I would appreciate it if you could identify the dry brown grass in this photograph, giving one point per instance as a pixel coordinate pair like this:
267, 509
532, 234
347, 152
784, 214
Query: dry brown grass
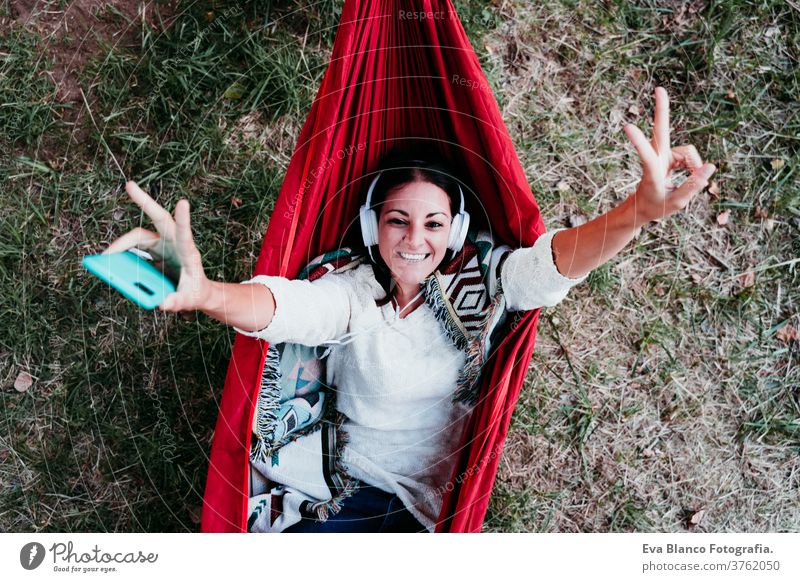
671, 354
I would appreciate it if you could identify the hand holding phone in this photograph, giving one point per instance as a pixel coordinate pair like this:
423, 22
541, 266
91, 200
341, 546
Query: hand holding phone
132, 275
173, 249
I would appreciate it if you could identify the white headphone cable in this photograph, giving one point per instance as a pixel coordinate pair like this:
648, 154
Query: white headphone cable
344, 339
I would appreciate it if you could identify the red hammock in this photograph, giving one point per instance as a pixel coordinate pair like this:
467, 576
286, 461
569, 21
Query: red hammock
392, 77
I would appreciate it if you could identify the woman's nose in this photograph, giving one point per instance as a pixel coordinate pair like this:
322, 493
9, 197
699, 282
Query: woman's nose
414, 235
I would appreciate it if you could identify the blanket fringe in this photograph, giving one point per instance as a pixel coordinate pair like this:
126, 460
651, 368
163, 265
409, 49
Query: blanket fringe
264, 445
435, 298
267, 405
469, 378
346, 485
468, 384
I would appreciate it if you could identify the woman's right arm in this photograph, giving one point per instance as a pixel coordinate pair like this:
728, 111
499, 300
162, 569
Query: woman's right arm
247, 307
272, 308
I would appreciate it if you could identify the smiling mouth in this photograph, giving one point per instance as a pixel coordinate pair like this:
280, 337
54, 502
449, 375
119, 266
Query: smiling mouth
413, 257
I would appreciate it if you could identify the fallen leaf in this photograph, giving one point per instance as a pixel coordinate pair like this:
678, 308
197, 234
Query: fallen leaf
723, 217
23, 382
680, 17
235, 91
788, 333
195, 514
746, 279
713, 189
696, 517
769, 224
634, 110
776, 164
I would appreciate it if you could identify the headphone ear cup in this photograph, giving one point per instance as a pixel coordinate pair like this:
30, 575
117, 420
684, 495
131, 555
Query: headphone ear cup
458, 231
369, 226
465, 230
455, 231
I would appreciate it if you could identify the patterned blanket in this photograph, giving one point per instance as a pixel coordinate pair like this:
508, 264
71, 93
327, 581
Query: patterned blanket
295, 469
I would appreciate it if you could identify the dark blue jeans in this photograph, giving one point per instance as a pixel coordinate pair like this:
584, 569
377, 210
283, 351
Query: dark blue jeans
368, 510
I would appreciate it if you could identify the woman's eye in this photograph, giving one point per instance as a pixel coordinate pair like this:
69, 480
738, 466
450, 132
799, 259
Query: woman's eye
404, 223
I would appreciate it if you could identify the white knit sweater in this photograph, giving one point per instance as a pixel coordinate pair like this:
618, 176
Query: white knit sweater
396, 379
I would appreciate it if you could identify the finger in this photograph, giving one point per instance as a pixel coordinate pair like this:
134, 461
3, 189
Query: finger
159, 215
173, 302
184, 241
643, 147
138, 237
176, 303
169, 303
692, 186
661, 122
686, 156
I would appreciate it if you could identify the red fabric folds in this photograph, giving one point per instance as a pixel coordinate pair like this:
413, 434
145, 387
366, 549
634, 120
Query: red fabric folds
394, 78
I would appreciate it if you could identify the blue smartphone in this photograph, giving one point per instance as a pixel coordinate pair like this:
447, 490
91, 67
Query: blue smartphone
133, 276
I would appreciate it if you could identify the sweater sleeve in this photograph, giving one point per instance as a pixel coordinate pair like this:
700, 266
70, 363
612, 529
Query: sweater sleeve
306, 312
530, 278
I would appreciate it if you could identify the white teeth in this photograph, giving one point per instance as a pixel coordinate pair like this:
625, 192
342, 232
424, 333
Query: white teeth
409, 257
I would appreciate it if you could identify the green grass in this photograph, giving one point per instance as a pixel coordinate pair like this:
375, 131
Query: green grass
658, 381
26, 96
98, 443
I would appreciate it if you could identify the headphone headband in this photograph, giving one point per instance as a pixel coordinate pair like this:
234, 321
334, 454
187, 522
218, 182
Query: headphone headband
378, 175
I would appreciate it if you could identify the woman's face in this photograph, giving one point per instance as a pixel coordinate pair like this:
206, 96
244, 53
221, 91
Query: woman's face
413, 229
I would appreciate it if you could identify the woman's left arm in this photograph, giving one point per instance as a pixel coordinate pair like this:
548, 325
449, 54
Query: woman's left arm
580, 249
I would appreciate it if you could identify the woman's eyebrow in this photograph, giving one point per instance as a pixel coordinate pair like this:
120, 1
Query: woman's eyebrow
404, 213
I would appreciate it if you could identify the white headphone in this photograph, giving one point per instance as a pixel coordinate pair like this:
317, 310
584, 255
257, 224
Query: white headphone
369, 221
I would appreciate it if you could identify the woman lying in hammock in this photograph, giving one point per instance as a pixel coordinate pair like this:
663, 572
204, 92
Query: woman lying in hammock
396, 373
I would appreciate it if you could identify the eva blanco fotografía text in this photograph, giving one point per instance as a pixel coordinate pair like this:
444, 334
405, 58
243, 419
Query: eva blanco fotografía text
705, 549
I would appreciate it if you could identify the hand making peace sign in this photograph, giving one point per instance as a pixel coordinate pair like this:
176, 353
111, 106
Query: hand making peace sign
656, 197
173, 246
